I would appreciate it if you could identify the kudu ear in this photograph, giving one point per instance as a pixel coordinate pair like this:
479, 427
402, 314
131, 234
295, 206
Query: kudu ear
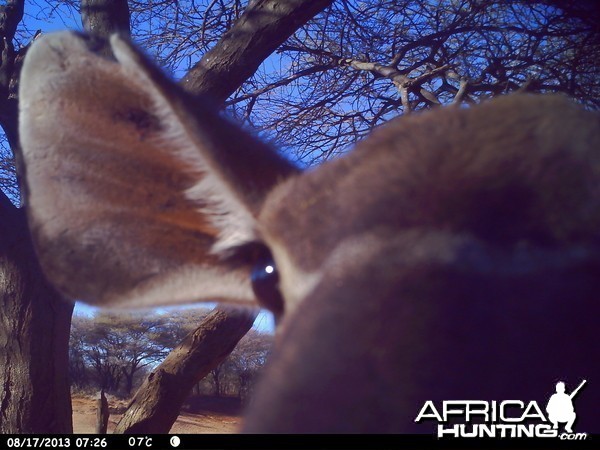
127, 194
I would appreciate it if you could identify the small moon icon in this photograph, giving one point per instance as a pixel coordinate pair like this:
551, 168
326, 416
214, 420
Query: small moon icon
175, 441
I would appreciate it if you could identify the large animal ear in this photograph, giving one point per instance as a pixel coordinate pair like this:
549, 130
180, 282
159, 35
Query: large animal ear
134, 191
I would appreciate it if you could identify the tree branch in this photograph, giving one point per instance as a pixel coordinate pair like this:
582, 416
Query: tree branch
10, 16
263, 27
282, 82
157, 403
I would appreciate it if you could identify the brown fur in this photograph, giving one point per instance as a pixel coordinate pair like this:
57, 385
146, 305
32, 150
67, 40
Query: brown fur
454, 254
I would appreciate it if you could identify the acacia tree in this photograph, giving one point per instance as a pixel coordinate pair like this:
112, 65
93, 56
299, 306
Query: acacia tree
238, 372
117, 347
247, 360
362, 63
372, 61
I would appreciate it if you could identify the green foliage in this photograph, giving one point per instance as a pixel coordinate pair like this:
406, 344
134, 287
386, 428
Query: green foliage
115, 351
108, 350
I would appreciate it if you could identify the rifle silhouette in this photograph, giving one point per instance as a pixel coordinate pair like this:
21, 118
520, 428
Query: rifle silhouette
574, 393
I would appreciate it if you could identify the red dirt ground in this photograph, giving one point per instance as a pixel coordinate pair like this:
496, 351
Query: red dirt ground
207, 417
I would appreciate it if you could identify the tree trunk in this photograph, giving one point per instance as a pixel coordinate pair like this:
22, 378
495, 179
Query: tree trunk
156, 404
104, 17
216, 373
102, 413
34, 337
128, 384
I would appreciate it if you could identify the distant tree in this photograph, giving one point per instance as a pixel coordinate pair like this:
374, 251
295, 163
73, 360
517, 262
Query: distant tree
247, 360
157, 402
108, 350
111, 351
118, 346
216, 374
79, 370
236, 375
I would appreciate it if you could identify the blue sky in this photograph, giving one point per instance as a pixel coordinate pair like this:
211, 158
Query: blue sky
263, 323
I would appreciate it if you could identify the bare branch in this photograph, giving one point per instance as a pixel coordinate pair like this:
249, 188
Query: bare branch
262, 28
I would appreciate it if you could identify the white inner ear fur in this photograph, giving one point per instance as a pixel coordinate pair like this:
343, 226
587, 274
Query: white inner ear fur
181, 287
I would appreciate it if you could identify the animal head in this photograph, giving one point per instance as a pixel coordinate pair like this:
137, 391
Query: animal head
451, 254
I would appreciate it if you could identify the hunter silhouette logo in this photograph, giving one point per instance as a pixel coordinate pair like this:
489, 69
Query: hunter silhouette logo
505, 419
560, 407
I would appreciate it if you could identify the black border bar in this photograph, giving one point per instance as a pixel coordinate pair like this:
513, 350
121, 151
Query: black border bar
280, 442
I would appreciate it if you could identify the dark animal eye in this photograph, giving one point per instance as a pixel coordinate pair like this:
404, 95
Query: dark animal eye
265, 283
